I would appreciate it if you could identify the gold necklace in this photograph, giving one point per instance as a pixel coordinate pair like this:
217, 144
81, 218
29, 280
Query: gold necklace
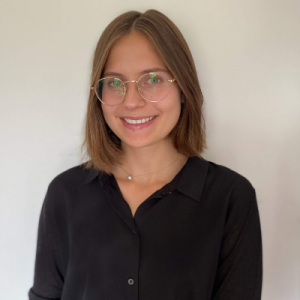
130, 177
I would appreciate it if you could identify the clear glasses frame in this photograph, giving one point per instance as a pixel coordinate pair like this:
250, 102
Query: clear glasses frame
139, 90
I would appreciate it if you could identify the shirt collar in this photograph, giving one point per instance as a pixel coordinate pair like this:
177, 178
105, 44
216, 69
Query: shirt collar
91, 175
192, 180
190, 183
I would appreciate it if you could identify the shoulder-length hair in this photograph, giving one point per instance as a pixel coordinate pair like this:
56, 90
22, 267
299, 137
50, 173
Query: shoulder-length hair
101, 144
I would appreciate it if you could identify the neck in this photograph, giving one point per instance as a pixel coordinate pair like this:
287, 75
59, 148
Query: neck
163, 160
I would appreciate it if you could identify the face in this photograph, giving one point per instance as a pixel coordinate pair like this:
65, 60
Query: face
129, 58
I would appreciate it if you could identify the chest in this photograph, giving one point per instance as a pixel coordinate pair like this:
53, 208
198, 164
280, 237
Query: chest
134, 195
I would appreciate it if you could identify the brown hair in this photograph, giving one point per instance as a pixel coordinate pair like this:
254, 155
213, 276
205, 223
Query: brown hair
188, 135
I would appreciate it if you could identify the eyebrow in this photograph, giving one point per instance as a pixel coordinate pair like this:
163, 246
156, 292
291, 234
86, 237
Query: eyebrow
142, 72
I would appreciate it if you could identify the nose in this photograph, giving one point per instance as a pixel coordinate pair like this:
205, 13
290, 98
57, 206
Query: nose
132, 97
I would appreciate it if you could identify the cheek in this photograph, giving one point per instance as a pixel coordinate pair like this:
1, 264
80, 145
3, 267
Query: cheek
107, 112
108, 116
172, 106
176, 108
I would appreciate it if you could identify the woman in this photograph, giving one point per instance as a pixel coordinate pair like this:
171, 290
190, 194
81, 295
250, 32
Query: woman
146, 217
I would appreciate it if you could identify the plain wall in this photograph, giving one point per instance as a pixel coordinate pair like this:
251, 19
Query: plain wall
247, 58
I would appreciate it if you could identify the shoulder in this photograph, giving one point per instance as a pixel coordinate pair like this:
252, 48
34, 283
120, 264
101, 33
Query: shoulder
235, 190
227, 178
231, 187
70, 178
68, 184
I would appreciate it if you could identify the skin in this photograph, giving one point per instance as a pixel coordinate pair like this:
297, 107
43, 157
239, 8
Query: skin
147, 150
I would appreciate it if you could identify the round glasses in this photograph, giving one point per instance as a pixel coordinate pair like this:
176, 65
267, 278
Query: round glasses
152, 87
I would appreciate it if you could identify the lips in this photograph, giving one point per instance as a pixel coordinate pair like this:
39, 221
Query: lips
135, 127
137, 118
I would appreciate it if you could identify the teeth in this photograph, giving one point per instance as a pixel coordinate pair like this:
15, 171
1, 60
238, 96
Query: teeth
138, 121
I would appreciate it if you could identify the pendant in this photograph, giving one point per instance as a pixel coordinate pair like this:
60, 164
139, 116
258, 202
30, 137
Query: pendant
130, 177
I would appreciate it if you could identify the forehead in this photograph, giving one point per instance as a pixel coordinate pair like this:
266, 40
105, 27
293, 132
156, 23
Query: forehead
131, 54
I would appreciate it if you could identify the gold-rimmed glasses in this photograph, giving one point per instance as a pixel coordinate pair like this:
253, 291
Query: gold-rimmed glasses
153, 87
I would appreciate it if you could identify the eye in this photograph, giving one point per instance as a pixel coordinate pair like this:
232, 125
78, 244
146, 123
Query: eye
153, 78
114, 82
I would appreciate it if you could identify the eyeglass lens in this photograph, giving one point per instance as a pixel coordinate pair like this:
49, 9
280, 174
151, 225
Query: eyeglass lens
152, 87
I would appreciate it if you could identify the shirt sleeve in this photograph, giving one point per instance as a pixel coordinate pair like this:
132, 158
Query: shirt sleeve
239, 273
48, 278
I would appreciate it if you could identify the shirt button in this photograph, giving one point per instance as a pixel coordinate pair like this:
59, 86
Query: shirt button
130, 281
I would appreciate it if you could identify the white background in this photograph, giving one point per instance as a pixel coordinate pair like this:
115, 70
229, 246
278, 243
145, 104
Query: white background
247, 58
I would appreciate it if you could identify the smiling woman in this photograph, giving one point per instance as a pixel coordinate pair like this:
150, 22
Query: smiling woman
147, 217
132, 46
154, 94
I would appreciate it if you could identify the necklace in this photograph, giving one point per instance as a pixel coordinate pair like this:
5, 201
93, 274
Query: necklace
130, 176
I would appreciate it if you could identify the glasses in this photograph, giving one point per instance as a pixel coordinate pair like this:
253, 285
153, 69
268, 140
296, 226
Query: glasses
152, 87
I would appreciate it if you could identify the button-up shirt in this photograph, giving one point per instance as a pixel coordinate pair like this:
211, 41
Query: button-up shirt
196, 238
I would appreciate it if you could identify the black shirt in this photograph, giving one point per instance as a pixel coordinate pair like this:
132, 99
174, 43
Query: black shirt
196, 238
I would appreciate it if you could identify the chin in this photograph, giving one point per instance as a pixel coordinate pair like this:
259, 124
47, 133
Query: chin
139, 143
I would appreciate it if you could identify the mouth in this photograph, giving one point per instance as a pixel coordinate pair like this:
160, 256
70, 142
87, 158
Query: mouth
138, 124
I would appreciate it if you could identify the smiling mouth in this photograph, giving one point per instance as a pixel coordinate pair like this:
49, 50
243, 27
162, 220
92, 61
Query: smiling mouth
139, 121
138, 124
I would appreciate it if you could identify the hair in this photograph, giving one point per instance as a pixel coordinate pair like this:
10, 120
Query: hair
100, 143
